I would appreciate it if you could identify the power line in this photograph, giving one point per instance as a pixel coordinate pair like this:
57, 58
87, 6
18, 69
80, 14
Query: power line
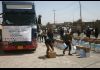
66, 7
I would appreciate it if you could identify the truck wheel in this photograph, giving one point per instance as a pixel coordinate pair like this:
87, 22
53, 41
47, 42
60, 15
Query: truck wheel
34, 49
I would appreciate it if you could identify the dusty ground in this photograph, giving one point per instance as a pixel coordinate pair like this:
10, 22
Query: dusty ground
38, 60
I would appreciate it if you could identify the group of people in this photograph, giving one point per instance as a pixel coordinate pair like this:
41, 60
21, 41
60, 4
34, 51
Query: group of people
42, 35
90, 31
65, 38
94, 32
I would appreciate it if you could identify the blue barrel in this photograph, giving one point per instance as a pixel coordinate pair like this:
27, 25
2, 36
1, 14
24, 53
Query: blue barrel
82, 43
92, 46
97, 48
82, 53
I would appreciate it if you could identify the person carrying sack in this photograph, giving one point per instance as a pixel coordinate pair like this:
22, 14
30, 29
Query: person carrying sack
67, 40
49, 41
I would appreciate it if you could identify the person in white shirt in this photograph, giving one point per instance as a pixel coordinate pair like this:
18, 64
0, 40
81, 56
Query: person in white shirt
70, 30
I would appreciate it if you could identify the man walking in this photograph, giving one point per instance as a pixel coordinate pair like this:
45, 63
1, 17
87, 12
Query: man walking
67, 40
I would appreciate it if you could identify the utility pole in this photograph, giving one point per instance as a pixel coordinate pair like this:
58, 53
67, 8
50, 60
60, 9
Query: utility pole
54, 16
80, 11
81, 16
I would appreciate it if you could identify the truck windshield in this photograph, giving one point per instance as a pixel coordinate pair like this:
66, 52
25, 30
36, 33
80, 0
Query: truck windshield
20, 18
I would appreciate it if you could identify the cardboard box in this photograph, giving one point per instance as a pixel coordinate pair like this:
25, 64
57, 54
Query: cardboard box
86, 39
97, 41
91, 40
87, 49
80, 47
51, 54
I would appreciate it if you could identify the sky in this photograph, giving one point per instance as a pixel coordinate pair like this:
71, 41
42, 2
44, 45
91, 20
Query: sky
66, 11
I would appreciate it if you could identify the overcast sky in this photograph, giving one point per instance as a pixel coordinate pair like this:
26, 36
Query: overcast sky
66, 10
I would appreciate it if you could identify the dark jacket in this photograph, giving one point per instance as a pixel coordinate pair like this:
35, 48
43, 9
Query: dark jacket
67, 37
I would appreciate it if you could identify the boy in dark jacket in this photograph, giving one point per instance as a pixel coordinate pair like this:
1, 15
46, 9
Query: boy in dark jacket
49, 41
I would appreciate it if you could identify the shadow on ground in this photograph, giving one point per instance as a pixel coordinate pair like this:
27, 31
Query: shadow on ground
59, 55
45, 57
42, 57
8, 53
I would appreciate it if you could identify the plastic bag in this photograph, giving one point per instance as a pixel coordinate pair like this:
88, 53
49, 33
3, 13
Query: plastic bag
61, 46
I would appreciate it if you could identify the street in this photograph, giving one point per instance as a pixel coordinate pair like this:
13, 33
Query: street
24, 24
37, 59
